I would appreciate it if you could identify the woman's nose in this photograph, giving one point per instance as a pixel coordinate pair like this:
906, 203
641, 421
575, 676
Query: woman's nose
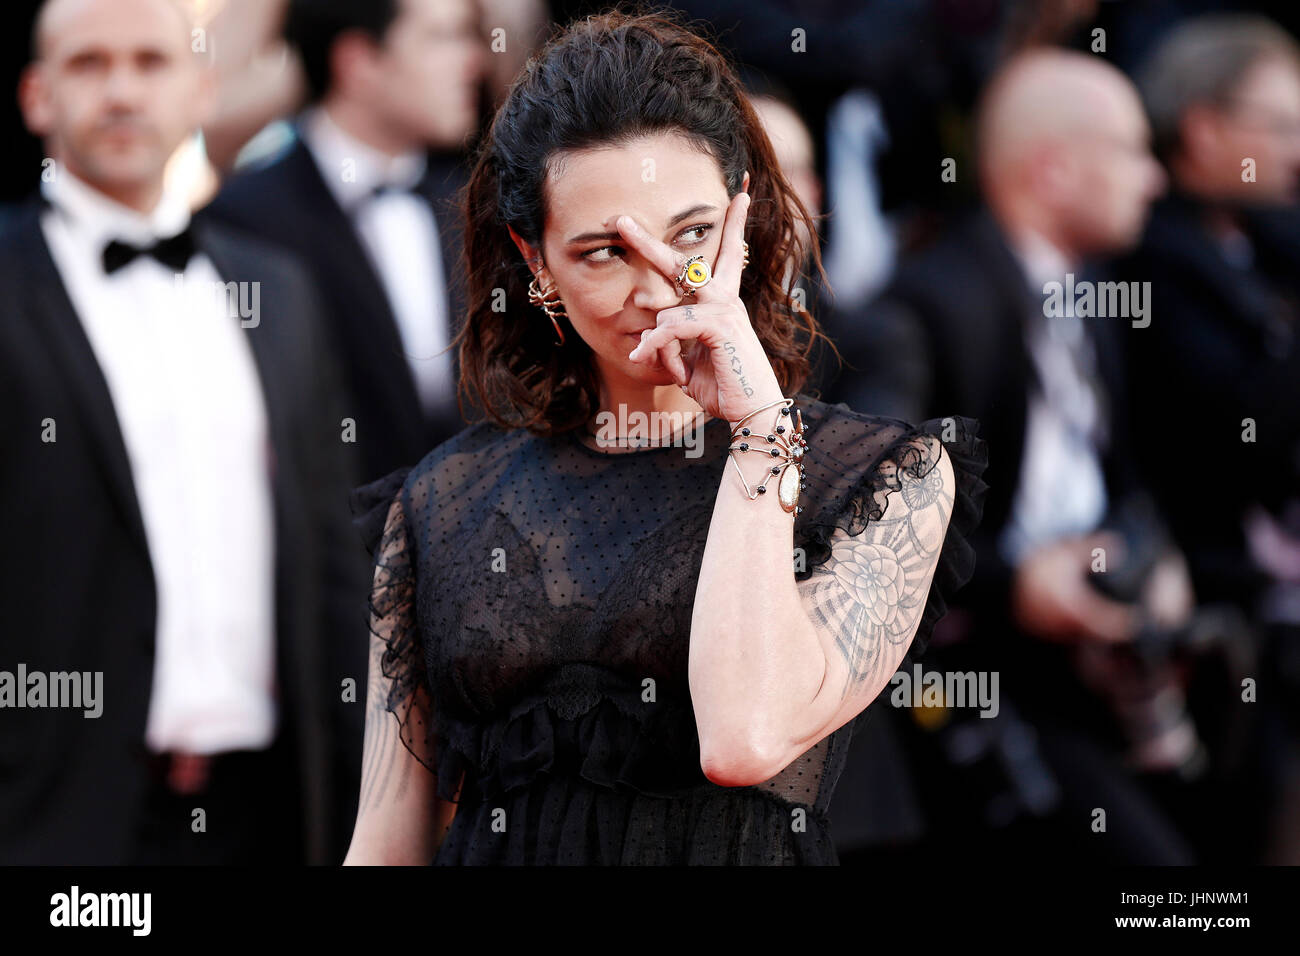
654, 291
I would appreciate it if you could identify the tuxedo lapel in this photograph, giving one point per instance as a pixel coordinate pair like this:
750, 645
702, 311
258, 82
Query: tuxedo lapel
1014, 373
442, 189
1018, 299
369, 328
56, 320
264, 340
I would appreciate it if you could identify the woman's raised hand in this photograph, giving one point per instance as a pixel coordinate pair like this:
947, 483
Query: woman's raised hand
708, 343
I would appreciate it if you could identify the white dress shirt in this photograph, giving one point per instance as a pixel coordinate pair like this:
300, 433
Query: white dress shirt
190, 407
861, 252
400, 233
1062, 488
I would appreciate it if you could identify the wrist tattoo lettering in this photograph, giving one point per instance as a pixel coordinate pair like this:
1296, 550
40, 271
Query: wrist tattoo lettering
730, 349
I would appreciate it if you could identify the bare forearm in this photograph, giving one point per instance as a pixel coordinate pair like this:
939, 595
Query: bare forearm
398, 835
775, 665
755, 660
397, 810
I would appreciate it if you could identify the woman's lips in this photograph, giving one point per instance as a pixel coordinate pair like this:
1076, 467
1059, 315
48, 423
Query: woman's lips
634, 338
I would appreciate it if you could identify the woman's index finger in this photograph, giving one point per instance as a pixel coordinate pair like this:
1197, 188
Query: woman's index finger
656, 252
731, 252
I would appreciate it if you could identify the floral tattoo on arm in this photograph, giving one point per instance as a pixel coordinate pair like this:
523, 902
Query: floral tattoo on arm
869, 597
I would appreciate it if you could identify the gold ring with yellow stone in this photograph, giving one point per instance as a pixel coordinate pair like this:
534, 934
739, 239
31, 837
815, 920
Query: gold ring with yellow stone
695, 274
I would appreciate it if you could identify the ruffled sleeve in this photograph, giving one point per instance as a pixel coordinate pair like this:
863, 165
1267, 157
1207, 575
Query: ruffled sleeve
381, 515
853, 463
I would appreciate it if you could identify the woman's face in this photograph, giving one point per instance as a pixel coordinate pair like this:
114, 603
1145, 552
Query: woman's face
674, 191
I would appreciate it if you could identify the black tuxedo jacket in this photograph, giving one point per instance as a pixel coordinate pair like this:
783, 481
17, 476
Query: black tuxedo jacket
77, 585
1223, 346
287, 202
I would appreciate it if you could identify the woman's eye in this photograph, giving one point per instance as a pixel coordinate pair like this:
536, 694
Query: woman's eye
703, 228
607, 253
592, 254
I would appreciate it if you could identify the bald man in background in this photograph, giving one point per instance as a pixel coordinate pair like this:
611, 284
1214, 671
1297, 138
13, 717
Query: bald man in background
1067, 176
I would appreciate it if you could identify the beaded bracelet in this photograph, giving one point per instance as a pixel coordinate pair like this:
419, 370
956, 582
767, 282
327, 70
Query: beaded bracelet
785, 443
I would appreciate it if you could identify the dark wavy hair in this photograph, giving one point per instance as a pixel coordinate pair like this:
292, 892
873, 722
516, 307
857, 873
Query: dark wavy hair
603, 80
312, 27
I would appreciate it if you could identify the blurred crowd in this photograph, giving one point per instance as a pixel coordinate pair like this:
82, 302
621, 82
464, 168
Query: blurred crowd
1077, 222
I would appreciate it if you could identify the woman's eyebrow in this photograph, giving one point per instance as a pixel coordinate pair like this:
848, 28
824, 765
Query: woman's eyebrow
684, 214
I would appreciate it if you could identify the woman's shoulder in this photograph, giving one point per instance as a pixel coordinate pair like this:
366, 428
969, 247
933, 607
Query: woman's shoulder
475, 451
840, 428
851, 451
855, 460
816, 411
475, 448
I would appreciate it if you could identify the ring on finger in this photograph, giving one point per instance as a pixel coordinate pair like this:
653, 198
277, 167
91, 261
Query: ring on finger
695, 275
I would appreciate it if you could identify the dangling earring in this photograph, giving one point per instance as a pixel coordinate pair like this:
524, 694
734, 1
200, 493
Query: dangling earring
549, 301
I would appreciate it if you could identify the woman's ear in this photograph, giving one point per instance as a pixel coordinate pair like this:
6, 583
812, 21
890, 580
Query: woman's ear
744, 186
531, 255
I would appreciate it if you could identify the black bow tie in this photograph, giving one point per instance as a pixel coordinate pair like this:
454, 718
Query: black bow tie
397, 189
416, 189
174, 252
434, 172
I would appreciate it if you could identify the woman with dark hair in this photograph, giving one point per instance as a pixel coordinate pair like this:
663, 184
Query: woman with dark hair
632, 616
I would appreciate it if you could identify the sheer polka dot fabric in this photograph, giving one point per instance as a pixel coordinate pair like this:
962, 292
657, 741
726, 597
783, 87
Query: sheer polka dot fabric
534, 596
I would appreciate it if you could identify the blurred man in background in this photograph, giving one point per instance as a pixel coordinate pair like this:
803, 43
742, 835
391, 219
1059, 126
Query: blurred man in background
793, 145
258, 80
1223, 255
1067, 174
366, 196
1216, 377
173, 487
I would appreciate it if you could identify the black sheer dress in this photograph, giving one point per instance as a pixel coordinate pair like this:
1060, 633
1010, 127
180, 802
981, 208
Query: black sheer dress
535, 597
